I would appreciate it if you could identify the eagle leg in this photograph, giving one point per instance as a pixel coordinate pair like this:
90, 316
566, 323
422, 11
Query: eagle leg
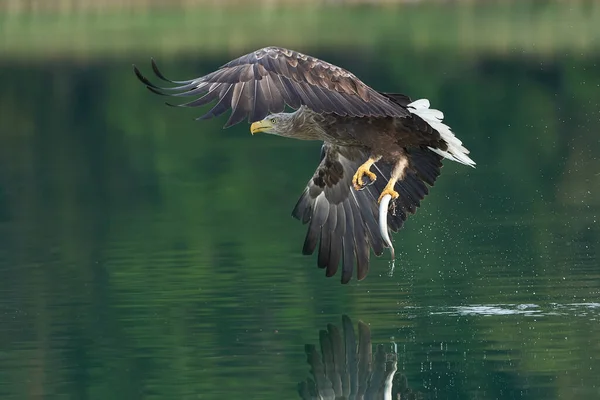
397, 174
365, 169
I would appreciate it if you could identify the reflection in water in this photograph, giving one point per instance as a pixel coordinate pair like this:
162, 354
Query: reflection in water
346, 369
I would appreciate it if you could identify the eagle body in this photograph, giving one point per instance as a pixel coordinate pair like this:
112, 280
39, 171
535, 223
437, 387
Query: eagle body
374, 144
386, 136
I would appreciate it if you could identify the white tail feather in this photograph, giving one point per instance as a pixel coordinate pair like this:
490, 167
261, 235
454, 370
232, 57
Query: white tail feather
456, 151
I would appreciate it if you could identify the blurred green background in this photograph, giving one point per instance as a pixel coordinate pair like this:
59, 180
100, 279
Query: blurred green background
145, 255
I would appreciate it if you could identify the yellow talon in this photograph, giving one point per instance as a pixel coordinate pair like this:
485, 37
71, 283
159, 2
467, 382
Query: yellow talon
388, 190
364, 169
357, 180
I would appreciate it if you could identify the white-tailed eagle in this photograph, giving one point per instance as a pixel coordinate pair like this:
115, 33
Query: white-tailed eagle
374, 144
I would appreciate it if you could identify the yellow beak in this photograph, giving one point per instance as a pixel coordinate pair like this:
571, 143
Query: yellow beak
260, 126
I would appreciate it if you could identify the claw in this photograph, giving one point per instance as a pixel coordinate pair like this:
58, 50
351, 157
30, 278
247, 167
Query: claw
357, 179
364, 169
388, 190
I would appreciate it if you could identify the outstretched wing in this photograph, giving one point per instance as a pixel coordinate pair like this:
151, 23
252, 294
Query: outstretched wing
343, 222
265, 80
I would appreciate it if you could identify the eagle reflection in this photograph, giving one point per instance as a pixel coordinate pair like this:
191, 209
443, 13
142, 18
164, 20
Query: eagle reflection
345, 368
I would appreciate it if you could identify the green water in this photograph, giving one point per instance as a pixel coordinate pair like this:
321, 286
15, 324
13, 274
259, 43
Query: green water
144, 255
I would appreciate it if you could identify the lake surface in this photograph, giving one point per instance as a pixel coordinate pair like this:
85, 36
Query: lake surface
145, 255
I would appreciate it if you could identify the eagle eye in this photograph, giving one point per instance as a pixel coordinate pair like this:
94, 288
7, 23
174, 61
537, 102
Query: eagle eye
273, 120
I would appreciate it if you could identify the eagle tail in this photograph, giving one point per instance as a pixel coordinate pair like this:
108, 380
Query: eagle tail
456, 151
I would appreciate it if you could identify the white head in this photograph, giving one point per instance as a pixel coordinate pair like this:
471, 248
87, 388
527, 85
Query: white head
275, 124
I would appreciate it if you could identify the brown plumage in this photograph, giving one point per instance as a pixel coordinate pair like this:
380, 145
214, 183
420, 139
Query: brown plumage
403, 141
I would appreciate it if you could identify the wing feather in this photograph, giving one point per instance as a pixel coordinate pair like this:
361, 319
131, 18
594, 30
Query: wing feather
325, 243
261, 93
210, 96
222, 105
335, 252
348, 252
361, 241
290, 95
319, 217
162, 77
326, 101
238, 104
253, 99
273, 92
369, 202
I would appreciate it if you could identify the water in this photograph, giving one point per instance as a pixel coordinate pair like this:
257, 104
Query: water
146, 255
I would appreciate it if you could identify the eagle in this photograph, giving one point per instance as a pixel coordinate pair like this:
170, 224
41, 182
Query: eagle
377, 146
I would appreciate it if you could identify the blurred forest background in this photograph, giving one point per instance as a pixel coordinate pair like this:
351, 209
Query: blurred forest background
147, 255
99, 28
